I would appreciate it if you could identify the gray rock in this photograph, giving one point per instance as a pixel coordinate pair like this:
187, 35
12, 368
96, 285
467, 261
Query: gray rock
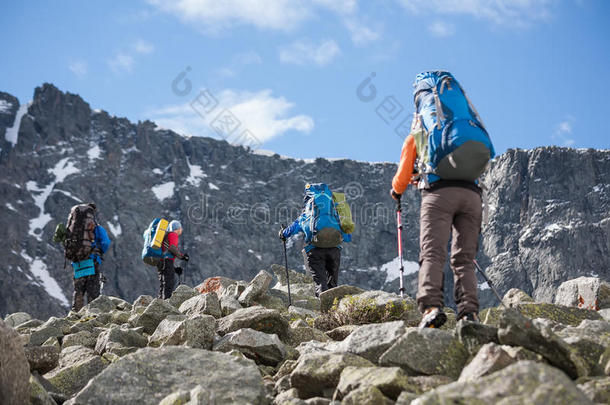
589, 340
282, 384
525, 382
16, 319
42, 333
52, 341
491, 358
141, 303
302, 313
318, 401
101, 304
517, 330
119, 341
257, 287
227, 378
423, 383
121, 304
596, 389
119, 317
427, 351
27, 325
181, 294
328, 297
515, 297
154, 313
318, 374
473, 335
368, 395
77, 365
272, 301
14, 368
290, 396
584, 292
202, 304
197, 331
405, 398
391, 381
82, 338
300, 334
371, 341
605, 314
38, 394
42, 358
261, 347
341, 332
257, 318
285, 369
295, 276
229, 304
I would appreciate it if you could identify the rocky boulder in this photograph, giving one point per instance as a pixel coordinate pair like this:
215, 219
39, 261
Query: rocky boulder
372, 340
77, 365
584, 292
258, 318
328, 297
202, 304
14, 368
491, 358
17, 318
181, 294
150, 375
391, 381
197, 331
525, 382
42, 358
261, 347
119, 341
154, 313
257, 287
428, 352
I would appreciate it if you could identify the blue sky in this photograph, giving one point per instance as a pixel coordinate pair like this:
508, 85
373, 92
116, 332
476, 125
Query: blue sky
287, 71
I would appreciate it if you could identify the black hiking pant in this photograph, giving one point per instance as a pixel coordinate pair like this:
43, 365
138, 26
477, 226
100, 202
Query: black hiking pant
165, 270
89, 285
323, 265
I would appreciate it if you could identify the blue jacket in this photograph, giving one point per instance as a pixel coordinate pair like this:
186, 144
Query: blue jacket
295, 228
101, 242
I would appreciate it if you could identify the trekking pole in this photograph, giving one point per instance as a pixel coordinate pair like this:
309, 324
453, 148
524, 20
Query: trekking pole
287, 275
488, 281
399, 228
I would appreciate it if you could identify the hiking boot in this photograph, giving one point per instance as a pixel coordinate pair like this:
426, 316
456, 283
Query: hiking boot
470, 317
433, 318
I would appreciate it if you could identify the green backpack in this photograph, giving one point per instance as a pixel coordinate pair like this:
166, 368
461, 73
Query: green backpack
345, 213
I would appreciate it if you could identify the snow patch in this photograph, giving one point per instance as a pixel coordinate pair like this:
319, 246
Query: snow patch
392, 269
10, 207
195, 174
12, 133
68, 194
213, 186
5, 107
94, 152
484, 286
259, 257
43, 278
157, 171
264, 152
163, 191
115, 229
62, 169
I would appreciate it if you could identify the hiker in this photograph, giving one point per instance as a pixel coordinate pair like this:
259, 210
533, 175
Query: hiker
165, 266
323, 234
85, 242
446, 172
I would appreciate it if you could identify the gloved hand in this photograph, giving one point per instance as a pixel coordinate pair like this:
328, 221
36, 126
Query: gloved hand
281, 234
178, 270
185, 257
395, 195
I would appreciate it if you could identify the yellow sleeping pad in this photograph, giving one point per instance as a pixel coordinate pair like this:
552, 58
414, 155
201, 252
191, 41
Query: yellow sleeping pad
160, 233
345, 213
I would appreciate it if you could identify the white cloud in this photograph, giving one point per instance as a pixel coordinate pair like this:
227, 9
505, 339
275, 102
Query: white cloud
121, 62
262, 114
513, 12
441, 29
143, 47
79, 68
216, 15
305, 52
360, 32
563, 132
239, 62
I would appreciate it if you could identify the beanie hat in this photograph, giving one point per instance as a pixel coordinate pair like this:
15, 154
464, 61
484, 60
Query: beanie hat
174, 225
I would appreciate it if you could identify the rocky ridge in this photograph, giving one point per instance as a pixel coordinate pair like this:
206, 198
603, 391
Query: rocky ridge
549, 207
200, 347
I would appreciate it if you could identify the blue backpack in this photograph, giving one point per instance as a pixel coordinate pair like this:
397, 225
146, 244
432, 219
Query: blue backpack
451, 141
320, 220
151, 255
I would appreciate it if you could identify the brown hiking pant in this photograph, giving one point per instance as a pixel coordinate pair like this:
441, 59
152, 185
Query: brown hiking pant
449, 212
89, 285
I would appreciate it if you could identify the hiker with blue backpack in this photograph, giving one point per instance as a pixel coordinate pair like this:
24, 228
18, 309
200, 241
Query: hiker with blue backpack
446, 152
324, 230
85, 242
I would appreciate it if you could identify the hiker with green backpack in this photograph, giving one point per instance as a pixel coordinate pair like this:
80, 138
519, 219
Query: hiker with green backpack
85, 242
326, 222
161, 249
449, 149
